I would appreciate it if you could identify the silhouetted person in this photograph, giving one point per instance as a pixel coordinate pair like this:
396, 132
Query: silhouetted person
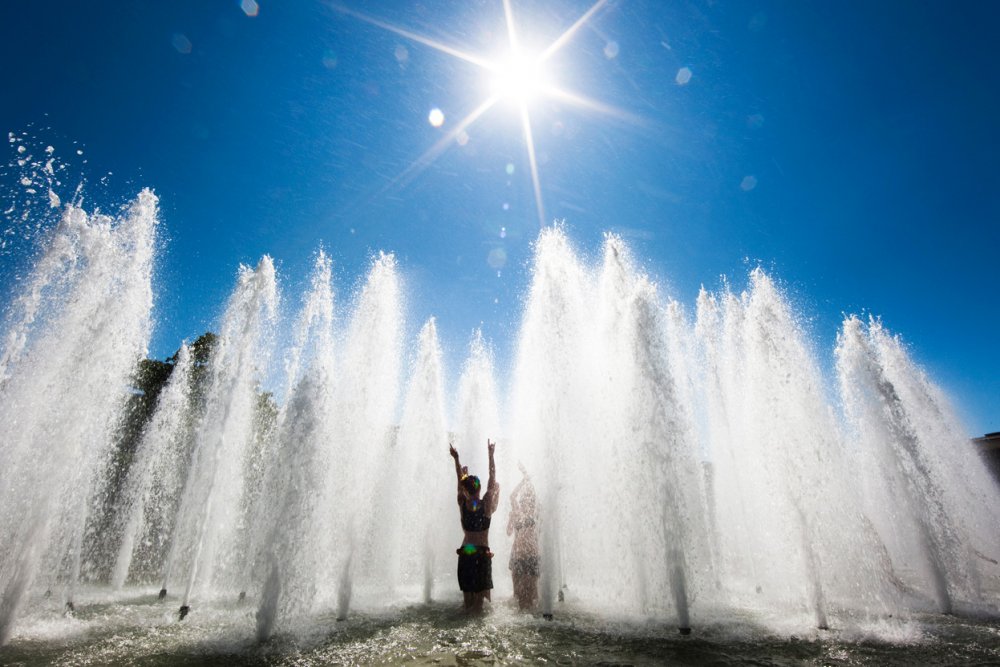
523, 523
475, 565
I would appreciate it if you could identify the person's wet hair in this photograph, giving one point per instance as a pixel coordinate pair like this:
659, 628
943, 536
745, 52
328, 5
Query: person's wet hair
471, 484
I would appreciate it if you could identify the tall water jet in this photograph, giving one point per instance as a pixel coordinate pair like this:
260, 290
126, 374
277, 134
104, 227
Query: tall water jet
672, 475
680, 343
420, 526
477, 411
929, 476
366, 397
152, 487
548, 389
653, 508
713, 423
780, 381
288, 546
73, 340
212, 514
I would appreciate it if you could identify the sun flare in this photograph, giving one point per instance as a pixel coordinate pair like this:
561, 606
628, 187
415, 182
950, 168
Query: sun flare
519, 78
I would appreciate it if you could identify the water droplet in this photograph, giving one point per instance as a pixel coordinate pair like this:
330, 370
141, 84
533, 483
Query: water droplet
181, 43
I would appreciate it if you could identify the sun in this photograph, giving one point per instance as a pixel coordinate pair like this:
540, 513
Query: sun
518, 79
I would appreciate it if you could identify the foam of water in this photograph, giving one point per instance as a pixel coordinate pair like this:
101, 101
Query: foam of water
690, 467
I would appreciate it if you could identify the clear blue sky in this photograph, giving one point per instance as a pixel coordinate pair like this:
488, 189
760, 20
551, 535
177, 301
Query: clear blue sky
851, 148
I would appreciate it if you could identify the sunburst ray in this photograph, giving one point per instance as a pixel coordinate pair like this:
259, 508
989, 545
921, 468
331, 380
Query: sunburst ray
521, 88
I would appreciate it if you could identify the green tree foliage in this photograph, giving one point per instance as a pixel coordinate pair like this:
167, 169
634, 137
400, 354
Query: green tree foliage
148, 380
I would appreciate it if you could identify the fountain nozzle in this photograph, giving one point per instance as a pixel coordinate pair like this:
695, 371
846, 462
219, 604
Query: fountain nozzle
184, 611
163, 593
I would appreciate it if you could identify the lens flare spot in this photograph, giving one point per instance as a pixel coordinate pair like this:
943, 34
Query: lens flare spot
611, 50
181, 43
436, 117
748, 183
250, 7
497, 258
510, 169
683, 76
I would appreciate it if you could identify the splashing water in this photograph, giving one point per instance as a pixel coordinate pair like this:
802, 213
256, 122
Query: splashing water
73, 337
690, 467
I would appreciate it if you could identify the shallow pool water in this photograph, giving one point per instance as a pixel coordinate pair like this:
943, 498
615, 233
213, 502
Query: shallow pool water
143, 630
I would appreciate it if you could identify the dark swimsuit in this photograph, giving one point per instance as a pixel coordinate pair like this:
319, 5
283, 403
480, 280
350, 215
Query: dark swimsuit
475, 565
475, 521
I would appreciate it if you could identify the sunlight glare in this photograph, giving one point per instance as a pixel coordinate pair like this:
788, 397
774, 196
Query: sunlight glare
519, 78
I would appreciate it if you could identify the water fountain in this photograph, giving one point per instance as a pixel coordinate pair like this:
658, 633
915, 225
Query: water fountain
74, 335
694, 469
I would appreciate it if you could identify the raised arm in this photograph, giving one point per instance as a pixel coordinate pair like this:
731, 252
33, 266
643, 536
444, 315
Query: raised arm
458, 466
492, 488
458, 473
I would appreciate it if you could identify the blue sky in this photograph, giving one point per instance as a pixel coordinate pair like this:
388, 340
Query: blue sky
851, 148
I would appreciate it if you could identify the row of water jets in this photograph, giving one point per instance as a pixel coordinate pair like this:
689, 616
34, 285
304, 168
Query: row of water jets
690, 466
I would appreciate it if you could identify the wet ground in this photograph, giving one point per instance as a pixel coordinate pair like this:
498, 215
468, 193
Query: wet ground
144, 631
